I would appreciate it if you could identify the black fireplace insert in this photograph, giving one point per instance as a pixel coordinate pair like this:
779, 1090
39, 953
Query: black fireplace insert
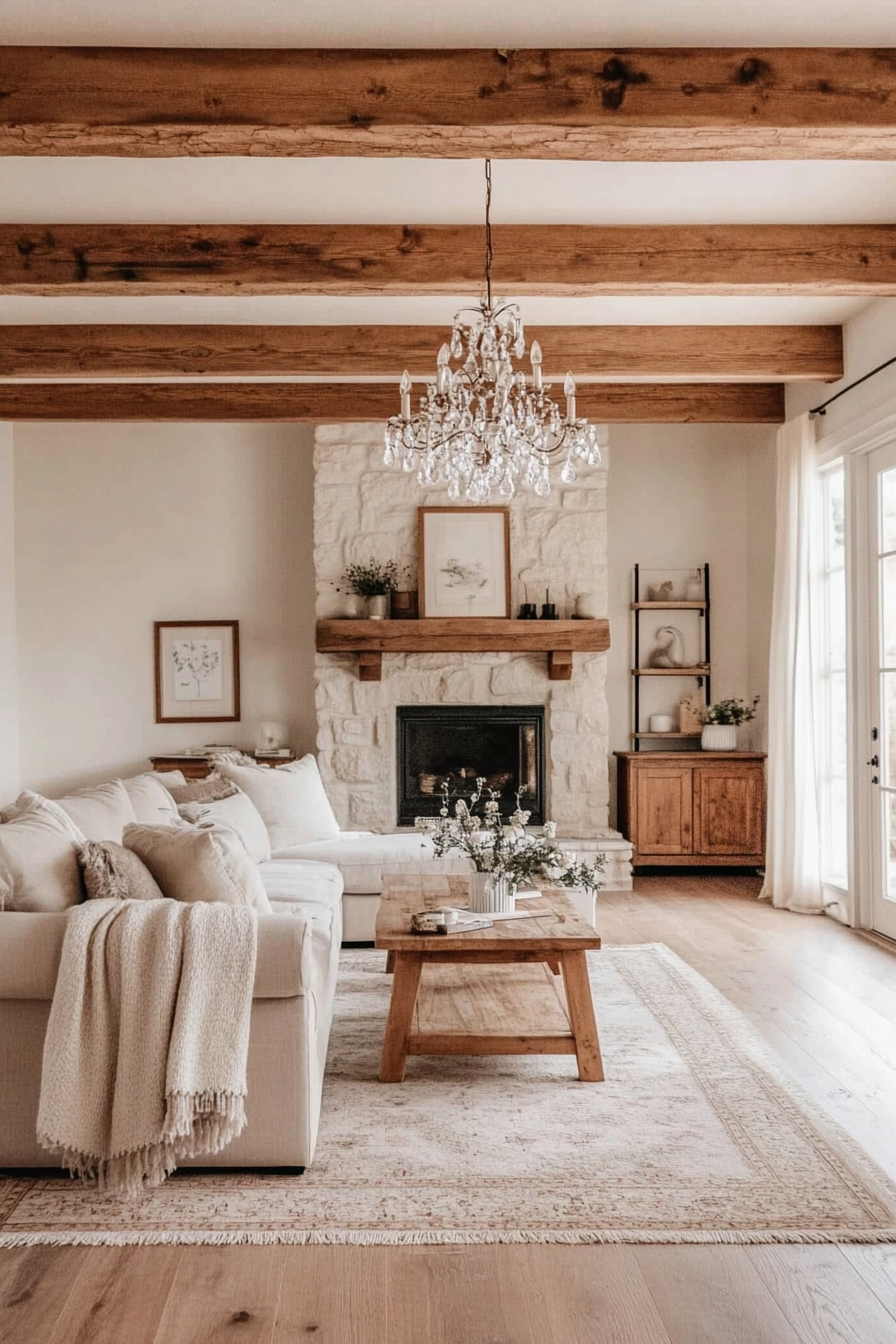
458, 743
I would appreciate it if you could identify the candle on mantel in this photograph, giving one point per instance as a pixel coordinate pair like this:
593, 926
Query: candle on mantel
405, 395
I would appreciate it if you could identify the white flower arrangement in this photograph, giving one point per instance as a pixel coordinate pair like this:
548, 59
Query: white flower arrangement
506, 850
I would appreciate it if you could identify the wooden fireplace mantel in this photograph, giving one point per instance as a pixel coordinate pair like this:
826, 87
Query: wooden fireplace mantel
462, 634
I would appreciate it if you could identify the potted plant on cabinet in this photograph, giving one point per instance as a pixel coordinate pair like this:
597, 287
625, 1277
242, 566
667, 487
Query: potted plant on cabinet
722, 720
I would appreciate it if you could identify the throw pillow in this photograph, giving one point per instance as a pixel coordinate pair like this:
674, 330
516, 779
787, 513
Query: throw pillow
111, 871
39, 846
239, 813
151, 801
206, 790
190, 864
291, 799
102, 812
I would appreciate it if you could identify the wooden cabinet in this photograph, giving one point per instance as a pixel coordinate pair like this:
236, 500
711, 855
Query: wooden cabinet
692, 807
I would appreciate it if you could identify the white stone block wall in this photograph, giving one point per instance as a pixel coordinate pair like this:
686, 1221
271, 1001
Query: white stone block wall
363, 509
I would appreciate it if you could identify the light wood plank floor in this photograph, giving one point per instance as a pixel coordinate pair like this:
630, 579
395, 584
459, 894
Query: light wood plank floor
824, 997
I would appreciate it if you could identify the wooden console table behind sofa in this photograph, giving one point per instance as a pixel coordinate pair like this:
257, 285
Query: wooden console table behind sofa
197, 767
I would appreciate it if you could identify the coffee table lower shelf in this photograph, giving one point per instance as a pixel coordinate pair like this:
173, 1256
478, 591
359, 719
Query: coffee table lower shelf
455, 1004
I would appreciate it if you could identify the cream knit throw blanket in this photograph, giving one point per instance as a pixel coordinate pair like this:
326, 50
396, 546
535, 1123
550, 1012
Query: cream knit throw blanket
145, 1053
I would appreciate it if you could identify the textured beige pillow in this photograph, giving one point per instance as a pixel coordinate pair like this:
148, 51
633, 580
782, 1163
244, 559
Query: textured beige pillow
39, 846
239, 813
193, 864
206, 790
150, 799
291, 799
101, 812
112, 872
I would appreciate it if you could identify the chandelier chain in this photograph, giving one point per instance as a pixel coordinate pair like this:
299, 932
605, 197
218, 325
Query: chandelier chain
488, 232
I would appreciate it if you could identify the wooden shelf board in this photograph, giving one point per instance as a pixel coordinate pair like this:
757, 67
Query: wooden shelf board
478, 634
666, 735
671, 671
668, 606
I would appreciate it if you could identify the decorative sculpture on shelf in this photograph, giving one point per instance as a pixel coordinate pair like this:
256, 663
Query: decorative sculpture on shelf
661, 592
669, 648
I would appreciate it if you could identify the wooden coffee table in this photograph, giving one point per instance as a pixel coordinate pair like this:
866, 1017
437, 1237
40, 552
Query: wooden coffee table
489, 992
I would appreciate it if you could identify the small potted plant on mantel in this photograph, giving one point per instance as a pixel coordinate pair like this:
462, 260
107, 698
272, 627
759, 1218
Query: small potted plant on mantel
722, 720
374, 580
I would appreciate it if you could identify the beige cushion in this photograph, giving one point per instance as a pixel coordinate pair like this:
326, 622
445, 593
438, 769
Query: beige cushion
291, 799
193, 864
151, 801
364, 859
112, 872
206, 790
239, 813
39, 846
101, 812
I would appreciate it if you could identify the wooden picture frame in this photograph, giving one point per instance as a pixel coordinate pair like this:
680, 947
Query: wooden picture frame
464, 561
201, 657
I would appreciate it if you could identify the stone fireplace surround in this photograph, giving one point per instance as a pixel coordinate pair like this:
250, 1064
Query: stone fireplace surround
362, 509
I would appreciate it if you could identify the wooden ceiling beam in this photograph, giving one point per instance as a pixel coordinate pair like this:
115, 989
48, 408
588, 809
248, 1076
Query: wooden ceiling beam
353, 259
750, 354
579, 103
633, 403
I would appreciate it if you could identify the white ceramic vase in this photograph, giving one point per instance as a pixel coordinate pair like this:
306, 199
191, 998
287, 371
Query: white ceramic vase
491, 893
354, 607
719, 737
378, 607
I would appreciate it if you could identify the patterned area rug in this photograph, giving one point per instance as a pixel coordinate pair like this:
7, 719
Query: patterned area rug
696, 1136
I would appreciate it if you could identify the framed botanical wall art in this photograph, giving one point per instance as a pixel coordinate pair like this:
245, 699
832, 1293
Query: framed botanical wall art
197, 671
464, 561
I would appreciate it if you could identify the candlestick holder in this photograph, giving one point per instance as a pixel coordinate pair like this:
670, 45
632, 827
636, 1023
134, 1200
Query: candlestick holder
548, 611
528, 611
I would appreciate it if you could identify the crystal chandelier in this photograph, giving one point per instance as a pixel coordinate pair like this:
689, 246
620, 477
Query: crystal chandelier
484, 428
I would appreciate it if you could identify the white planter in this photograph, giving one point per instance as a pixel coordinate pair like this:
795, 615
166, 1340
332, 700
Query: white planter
378, 607
719, 737
491, 894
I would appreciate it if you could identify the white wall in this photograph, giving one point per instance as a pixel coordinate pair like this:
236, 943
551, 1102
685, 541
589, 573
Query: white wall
680, 495
9, 725
121, 525
868, 340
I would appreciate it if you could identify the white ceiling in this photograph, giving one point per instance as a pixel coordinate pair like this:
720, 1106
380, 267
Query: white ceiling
504, 23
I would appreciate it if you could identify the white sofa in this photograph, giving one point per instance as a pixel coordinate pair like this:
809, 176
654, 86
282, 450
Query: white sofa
311, 887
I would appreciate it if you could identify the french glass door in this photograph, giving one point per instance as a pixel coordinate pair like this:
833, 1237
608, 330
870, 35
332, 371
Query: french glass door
880, 756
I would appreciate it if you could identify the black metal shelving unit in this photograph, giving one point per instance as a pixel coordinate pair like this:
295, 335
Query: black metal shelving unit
701, 672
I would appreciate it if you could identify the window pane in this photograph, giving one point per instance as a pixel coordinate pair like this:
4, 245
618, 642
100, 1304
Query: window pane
888, 510
888, 611
889, 801
836, 622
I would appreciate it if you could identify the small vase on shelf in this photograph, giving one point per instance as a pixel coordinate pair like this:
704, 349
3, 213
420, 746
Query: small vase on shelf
378, 607
719, 737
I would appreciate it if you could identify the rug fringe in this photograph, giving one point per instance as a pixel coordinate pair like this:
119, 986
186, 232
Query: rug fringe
289, 1237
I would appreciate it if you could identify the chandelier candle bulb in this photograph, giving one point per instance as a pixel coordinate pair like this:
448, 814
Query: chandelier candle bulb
406, 395
569, 387
536, 358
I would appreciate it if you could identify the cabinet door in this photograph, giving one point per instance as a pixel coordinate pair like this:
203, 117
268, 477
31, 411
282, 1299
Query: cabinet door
662, 810
729, 807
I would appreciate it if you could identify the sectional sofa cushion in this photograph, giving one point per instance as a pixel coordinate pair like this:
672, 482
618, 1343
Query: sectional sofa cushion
291, 799
39, 846
198, 864
151, 801
101, 812
364, 858
112, 872
238, 812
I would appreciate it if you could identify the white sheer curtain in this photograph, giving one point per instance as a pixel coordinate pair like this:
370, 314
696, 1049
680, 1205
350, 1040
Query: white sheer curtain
793, 854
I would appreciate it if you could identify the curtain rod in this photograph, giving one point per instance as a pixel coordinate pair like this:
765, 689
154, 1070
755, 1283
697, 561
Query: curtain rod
820, 410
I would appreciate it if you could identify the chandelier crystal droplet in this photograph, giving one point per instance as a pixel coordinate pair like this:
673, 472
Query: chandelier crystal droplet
484, 428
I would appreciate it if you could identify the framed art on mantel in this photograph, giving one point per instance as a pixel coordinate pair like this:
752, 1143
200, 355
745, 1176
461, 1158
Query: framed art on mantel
464, 561
197, 671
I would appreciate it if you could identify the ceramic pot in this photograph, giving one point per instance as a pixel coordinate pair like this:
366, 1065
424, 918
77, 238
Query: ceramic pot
404, 605
378, 607
660, 723
719, 737
491, 893
354, 607
586, 607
